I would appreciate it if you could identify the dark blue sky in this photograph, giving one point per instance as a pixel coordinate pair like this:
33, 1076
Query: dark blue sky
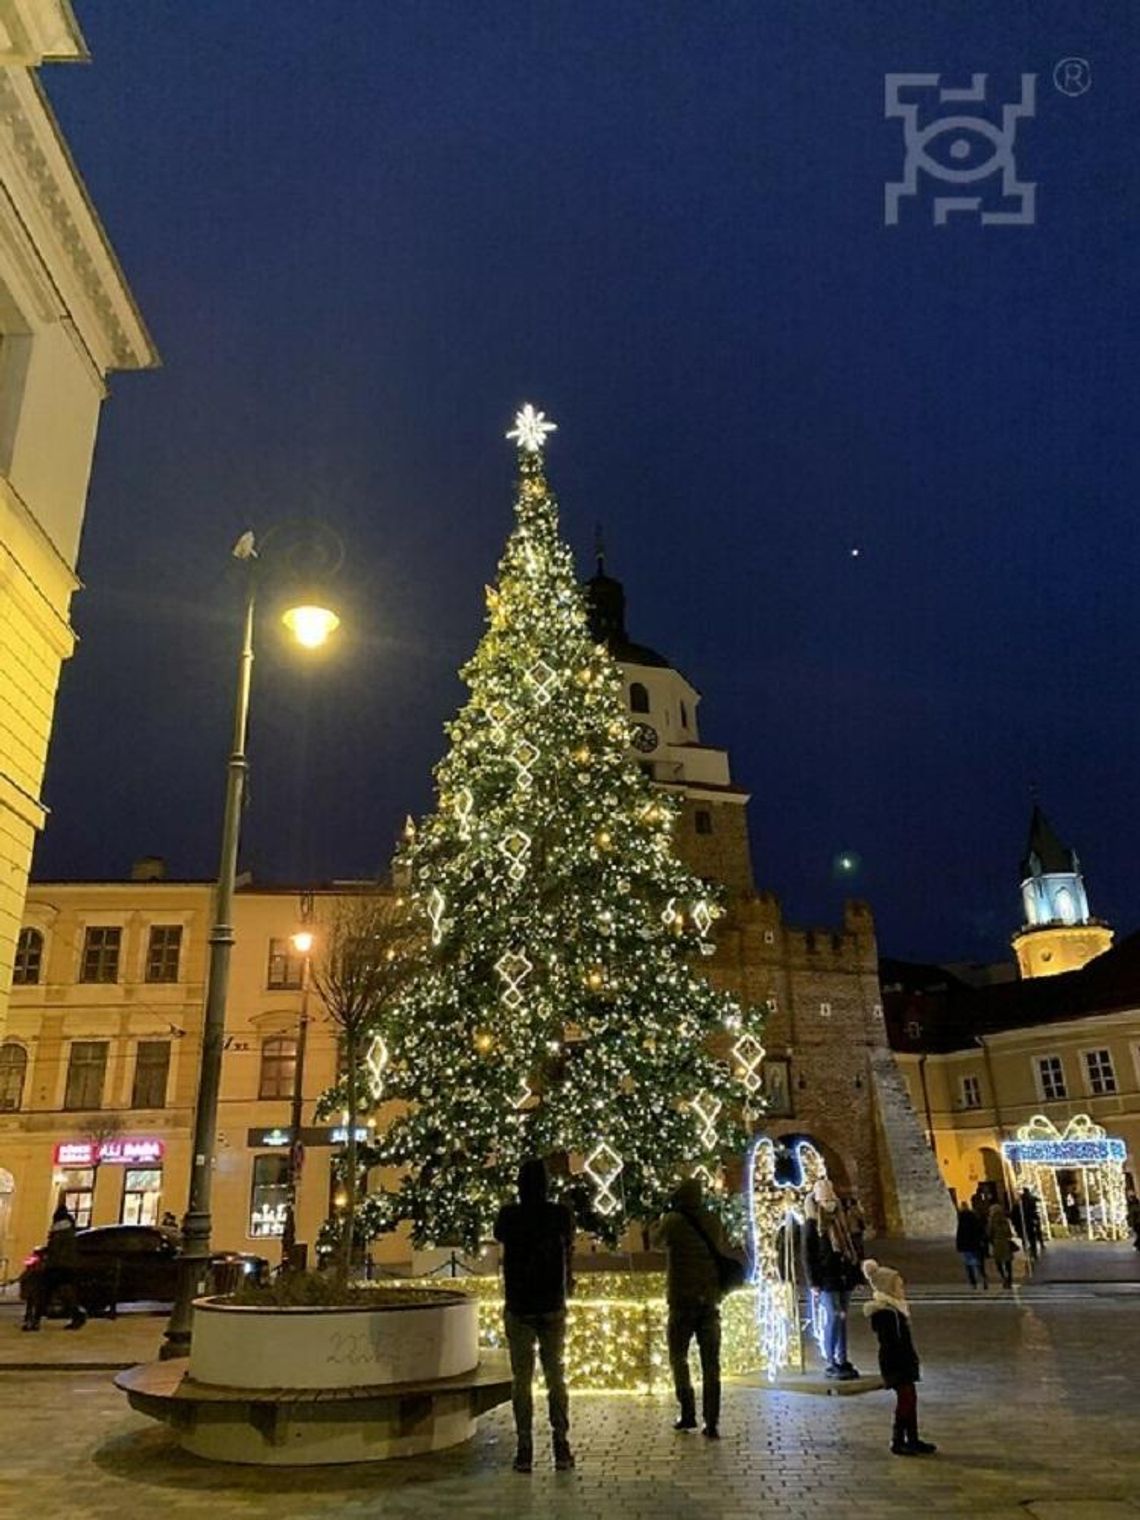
363, 232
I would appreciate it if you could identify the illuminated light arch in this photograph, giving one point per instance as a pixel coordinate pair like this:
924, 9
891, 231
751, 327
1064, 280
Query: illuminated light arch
1041, 1150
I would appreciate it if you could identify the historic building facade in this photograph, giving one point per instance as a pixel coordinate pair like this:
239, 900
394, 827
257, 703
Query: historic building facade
828, 1072
984, 1053
67, 320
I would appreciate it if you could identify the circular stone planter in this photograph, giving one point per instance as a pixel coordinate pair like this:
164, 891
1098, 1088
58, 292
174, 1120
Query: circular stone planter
304, 1386
237, 1346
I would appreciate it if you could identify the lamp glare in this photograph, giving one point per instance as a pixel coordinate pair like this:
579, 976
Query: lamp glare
311, 626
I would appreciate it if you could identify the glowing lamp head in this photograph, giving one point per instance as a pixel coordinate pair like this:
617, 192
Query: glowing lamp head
310, 626
302, 941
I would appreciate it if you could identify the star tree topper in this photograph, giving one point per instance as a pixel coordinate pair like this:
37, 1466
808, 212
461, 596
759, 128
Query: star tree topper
531, 428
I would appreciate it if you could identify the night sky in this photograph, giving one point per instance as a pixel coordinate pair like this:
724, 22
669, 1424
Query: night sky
363, 232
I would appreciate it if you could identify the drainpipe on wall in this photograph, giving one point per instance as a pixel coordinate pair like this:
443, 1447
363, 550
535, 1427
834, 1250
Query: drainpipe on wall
930, 1140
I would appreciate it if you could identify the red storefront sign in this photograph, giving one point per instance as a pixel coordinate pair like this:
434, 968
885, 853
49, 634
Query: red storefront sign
132, 1152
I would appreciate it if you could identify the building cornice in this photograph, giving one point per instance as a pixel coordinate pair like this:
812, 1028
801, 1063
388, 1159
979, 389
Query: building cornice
72, 247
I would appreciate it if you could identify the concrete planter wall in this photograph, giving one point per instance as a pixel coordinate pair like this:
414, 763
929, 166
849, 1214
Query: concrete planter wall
328, 1348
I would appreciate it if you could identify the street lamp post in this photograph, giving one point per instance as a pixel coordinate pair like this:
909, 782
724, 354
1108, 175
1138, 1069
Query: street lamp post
197, 1223
303, 943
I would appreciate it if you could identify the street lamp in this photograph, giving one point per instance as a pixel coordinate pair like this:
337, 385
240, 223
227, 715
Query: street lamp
311, 630
302, 942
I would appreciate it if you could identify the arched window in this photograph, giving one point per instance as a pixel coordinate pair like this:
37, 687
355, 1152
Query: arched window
29, 958
638, 698
1063, 906
13, 1070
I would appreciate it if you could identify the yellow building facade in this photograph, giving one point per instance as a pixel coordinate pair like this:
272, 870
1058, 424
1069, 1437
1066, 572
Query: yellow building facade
99, 1065
67, 320
981, 1062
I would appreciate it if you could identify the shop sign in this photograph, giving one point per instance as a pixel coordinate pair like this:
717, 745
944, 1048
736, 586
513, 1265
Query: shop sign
144, 1151
280, 1137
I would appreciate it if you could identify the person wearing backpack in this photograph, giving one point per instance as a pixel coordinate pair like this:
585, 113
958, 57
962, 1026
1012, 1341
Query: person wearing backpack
700, 1267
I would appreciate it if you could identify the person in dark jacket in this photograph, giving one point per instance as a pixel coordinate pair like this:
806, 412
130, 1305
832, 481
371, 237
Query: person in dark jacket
971, 1243
831, 1267
1034, 1232
1001, 1244
61, 1263
689, 1234
537, 1237
889, 1314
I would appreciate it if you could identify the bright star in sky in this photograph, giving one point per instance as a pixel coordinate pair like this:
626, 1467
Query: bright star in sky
531, 428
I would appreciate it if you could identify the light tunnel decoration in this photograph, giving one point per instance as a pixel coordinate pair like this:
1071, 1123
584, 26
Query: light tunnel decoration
776, 1210
1040, 1151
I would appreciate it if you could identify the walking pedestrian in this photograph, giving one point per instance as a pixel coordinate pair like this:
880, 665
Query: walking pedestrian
693, 1240
1001, 1243
889, 1314
1034, 1235
1133, 1207
970, 1242
831, 1267
537, 1237
58, 1278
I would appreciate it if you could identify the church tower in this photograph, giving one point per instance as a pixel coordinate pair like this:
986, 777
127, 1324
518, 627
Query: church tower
1059, 934
712, 830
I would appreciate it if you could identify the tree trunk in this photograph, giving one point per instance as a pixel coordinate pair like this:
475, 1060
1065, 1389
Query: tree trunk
351, 1178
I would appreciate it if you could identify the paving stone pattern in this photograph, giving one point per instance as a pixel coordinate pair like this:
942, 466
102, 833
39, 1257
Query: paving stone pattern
1033, 1404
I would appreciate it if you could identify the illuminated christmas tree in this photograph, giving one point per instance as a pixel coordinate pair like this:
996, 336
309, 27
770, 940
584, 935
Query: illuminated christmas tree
559, 1009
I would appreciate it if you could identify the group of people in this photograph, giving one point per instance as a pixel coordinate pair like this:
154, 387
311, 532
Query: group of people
55, 1276
988, 1230
537, 1237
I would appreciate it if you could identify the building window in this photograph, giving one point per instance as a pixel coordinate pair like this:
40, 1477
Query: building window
646, 768
684, 716
29, 958
769, 936
163, 953
702, 820
913, 1030
638, 698
1051, 1076
971, 1092
101, 955
142, 1194
13, 1070
770, 1004
152, 1066
269, 1195
825, 1010
286, 967
278, 1064
77, 1193
1102, 1077
86, 1071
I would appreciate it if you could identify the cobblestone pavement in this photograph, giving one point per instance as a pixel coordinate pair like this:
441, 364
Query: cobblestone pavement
1033, 1404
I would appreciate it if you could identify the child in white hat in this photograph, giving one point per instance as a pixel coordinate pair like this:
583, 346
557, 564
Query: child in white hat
889, 1314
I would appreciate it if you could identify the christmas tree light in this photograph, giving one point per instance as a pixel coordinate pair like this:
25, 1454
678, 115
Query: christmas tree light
558, 1009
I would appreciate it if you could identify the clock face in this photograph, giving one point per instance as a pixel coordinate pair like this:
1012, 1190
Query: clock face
644, 738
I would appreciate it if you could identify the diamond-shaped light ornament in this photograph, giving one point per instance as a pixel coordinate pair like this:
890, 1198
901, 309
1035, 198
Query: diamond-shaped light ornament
702, 917
435, 907
464, 802
524, 755
514, 968
707, 1106
603, 1167
542, 680
749, 1055
515, 846
375, 1064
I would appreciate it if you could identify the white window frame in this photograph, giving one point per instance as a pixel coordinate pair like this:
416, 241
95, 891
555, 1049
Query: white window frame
970, 1083
1039, 1077
1086, 1071
825, 1010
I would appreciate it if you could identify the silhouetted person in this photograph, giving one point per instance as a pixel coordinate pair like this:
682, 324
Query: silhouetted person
61, 1261
537, 1237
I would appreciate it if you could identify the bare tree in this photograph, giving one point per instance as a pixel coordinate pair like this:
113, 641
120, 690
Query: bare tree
365, 953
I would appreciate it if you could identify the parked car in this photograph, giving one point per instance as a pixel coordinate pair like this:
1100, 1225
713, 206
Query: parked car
129, 1263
